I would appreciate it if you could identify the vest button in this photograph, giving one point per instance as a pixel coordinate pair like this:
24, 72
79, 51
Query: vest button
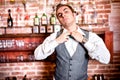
69, 75
70, 70
70, 58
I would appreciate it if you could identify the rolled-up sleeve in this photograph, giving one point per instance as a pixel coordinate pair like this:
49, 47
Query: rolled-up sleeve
46, 48
97, 48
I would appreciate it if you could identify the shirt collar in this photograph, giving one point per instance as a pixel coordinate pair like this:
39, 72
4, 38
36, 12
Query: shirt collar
79, 30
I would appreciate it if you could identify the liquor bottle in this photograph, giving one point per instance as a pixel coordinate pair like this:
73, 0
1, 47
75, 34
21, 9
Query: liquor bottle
44, 21
94, 77
52, 19
36, 20
9, 19
102, 77
25, 77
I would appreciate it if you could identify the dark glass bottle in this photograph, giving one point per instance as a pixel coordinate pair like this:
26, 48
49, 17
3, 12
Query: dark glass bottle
52, 19
36, 20
102, 77
25, 77
44, 21
9, 19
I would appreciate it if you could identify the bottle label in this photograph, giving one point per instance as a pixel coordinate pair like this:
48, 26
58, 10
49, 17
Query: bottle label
35, 29
49, 29
42, 29
9, 24
44, 21
36, 21
53, 21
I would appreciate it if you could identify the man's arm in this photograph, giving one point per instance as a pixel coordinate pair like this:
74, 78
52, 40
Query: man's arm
97, 49
46, 48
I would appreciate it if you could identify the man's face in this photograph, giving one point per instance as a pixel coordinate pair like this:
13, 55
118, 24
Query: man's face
65, 16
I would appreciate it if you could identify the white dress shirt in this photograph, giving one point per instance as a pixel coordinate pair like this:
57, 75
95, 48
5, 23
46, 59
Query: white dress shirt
95, 46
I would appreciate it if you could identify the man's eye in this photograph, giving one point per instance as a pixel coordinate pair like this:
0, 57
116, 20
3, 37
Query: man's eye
60, 15
66, 11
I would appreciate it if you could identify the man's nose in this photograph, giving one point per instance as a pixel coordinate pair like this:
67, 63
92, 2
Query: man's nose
63, 15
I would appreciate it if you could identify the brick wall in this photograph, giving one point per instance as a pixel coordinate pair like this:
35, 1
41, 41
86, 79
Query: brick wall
33, 70
114, 24
111, 71
44, 69
38, 6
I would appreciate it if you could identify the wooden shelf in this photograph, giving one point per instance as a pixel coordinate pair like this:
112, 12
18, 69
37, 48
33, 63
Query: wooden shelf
30, 41
16, 49
36, 39
24, 35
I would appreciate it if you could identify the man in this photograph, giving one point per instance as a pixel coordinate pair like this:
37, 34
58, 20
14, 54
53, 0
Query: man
72, 45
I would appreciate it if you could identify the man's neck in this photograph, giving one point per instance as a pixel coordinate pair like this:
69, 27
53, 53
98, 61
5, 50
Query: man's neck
71, 28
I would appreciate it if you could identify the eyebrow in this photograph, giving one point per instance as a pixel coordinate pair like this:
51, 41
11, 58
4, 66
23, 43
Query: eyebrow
63, 10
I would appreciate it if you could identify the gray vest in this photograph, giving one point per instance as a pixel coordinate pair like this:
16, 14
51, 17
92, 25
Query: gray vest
71, 68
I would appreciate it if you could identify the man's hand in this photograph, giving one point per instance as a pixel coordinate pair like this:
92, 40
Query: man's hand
77, 36
63, 37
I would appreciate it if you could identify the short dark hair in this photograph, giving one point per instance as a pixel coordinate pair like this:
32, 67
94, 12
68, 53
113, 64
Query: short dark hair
60, 5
